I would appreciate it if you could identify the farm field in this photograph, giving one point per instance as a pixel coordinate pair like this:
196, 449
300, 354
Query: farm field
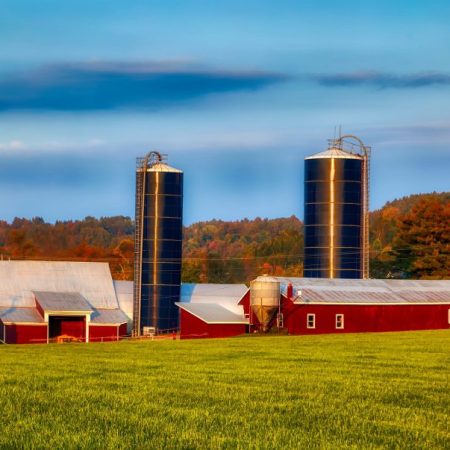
389, 390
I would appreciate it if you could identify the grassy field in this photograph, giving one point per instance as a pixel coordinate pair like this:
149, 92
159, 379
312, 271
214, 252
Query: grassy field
338, 391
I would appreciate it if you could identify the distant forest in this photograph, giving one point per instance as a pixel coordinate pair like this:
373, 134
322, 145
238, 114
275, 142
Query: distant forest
410, 238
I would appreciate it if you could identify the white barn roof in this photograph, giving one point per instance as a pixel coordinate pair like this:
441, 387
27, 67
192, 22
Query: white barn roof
323, 290
213, 313
21, 315
108, 317
62, 301
93, 281
223, 294
124, 294
217, 300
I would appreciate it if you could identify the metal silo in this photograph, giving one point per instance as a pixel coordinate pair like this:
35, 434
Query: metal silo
336, 211
265, 299
158, 245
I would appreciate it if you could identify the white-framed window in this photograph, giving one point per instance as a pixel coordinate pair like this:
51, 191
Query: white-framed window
310, 321
340, 321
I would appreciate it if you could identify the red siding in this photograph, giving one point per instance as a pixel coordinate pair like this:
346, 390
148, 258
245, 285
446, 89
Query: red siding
245, 302
74, 326
26, 334
365, 318
123, 329
103, 333
39, 309
192, 328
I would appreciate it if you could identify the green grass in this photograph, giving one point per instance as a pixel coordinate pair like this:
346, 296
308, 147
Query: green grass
357, 391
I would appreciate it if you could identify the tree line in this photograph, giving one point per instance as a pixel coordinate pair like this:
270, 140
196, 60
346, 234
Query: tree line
409, 238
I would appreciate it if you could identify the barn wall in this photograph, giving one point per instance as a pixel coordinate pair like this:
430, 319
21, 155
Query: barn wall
26, 334
123, 329
68, 325
366, 318
39, 309
245, 303
103, 333
192, 327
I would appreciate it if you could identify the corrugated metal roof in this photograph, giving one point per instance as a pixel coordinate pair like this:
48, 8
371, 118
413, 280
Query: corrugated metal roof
124, 294
323, 290
224, 294
108, 316
18, 280
213, 313
62, 301
20, 315
334, 153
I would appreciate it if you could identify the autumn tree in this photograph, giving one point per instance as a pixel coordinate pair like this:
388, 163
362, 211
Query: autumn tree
422, 245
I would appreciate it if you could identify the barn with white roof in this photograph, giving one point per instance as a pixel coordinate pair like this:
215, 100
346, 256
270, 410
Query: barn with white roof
320, 305
46, 301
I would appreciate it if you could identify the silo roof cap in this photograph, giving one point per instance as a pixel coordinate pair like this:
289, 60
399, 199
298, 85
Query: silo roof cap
267, 278
162, 167
334, 153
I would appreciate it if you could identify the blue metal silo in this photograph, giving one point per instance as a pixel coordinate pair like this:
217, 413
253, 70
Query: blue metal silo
158, 245
336, 212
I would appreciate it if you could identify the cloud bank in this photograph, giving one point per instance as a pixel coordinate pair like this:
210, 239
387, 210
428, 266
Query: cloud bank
106, 86
115, 85
383, 80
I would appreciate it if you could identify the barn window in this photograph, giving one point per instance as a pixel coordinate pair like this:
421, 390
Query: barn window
311, 321
340, 321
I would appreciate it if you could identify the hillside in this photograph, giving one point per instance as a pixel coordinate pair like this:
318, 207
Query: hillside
410, 238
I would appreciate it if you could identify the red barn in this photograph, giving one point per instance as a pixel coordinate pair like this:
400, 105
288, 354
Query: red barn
43, 302
319, 305
212, 310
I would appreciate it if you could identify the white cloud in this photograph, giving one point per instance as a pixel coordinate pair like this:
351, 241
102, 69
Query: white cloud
13, 145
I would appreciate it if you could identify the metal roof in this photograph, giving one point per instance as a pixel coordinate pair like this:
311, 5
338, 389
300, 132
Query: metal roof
108, 316
323, 290
20, 315
18, 280
267, 278
213, 313
62, 301
162, 167
124, 294
224, 294
334, 153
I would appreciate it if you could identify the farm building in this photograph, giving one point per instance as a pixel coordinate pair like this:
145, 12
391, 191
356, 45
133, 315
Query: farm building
212, 310
318, 305
42, 301
311, 306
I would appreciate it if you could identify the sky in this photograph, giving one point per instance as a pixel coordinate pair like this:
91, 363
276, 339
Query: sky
236, 93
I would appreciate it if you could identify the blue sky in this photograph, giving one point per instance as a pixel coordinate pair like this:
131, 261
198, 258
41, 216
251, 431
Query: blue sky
236, 93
